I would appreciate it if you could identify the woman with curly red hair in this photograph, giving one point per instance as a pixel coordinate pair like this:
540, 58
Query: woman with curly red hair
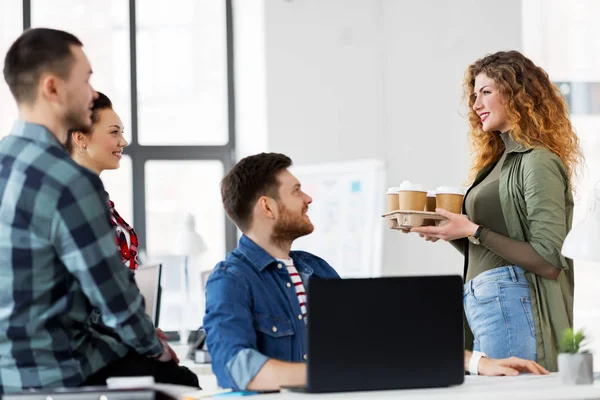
518, 293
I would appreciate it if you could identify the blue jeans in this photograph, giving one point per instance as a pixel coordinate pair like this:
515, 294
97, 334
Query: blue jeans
498, 309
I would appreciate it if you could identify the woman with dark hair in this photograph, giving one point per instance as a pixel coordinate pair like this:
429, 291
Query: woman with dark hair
100, 149
518, 293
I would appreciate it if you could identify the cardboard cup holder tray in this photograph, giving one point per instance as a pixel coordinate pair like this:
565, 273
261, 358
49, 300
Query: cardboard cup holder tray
404, 220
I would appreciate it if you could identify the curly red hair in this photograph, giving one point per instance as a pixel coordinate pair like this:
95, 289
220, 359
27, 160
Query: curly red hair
534, 106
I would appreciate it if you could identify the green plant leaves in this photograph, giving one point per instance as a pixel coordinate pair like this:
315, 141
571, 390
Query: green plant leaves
571, 341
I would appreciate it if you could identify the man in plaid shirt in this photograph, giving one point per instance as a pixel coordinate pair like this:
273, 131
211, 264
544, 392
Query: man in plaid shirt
58, 259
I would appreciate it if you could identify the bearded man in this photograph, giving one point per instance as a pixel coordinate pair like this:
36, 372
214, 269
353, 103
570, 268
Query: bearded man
256, 299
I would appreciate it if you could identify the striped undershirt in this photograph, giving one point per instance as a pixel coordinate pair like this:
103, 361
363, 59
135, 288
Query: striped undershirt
297, 282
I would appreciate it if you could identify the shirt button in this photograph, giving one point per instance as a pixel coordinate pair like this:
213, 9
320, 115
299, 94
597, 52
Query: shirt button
279, 265
289, 284
299, 316
274, 329
305, 357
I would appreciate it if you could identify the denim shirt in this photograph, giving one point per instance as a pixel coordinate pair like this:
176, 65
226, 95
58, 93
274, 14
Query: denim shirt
253, 313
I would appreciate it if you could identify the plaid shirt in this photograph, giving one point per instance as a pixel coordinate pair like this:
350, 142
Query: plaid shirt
57, 263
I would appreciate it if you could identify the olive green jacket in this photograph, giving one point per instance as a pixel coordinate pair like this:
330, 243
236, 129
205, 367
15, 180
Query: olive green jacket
537, 204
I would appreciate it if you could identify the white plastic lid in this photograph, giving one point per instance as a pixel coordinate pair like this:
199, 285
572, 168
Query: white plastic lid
411, 187
431, 193
393, 190
449, 190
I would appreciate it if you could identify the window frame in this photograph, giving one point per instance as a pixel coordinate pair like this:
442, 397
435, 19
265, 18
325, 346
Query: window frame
140, 154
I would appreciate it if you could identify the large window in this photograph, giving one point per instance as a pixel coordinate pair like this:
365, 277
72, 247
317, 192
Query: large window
103, 28
182, 72
563, 37
167, 67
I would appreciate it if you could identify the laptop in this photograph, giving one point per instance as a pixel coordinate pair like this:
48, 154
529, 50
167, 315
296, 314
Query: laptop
147, 279
384, 333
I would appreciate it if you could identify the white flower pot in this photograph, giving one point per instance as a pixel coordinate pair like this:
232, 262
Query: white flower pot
576, 369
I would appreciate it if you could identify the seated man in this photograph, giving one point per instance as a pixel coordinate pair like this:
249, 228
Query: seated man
58, 258
255, 299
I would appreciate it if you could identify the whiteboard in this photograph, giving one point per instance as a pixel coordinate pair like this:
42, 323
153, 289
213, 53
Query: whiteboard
348, 201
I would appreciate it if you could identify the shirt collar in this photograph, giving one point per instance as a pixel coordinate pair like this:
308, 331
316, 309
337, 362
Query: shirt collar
36, 133
511, 145
258, 257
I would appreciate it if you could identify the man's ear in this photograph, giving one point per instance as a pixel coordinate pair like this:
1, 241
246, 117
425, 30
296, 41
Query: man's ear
49, 87
267, 206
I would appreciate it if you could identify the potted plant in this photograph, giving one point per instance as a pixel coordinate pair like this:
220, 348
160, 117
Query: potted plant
575, 367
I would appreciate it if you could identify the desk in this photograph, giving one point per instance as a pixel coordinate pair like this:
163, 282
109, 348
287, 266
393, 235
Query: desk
523, 387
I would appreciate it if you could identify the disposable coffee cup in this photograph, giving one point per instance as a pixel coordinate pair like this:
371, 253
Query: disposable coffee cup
392, 199
411, 197
450, 198
430, 202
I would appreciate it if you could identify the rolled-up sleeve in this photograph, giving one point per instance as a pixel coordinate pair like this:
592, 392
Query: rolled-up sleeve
231, 338
244, 366
545, 186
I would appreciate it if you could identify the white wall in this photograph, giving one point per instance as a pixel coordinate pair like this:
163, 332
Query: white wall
353, 79
324, 79
250, 77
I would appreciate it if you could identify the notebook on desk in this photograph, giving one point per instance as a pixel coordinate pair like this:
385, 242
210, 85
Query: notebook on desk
384, 333
84, 393
156, 391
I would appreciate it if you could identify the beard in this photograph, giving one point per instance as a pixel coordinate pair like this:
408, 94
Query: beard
79, 120
290, 226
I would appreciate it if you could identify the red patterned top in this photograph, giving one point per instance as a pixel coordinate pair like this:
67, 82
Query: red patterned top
126, 238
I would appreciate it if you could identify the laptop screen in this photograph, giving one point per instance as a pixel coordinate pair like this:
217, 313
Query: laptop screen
385, 333
147, 279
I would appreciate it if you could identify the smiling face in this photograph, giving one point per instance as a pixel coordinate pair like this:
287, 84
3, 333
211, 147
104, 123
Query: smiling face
101, 149
490, 105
